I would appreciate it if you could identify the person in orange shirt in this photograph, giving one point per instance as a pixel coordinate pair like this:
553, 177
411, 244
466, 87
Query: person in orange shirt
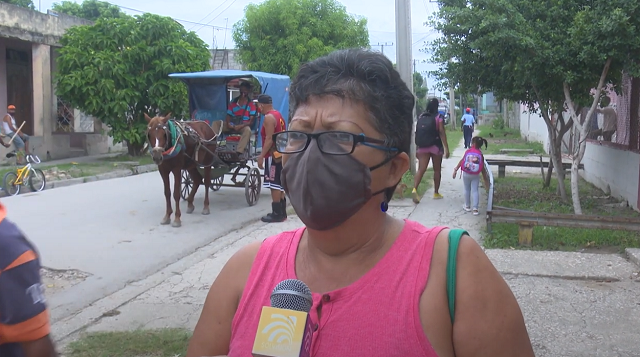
24, 318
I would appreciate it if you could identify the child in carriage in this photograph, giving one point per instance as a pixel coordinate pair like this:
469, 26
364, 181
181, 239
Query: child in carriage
472, 164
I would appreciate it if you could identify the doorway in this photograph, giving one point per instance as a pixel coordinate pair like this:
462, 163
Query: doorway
20, 87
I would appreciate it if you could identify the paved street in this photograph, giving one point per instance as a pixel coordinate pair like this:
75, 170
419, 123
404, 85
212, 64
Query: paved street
110, 232
574, 304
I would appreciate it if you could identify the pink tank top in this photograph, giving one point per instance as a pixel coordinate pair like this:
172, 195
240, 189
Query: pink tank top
376, 316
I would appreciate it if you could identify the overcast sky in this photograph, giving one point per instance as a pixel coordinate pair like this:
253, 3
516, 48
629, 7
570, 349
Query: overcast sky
224, 13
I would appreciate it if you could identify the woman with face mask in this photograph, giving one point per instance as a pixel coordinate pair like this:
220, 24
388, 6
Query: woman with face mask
379, 284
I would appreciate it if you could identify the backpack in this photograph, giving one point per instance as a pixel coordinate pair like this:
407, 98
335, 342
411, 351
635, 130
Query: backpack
472, 161
427, 131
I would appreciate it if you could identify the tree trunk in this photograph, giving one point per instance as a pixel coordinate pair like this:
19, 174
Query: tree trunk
547, 179
556, 160
582, 129
555, 152
134, 149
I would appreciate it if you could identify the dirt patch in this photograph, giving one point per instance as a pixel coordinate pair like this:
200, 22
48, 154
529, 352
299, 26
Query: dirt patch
55, 280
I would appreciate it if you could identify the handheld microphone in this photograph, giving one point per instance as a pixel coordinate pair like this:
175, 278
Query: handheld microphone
285, 329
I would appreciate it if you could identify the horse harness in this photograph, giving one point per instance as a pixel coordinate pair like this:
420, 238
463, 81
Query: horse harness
169, 150
182, 130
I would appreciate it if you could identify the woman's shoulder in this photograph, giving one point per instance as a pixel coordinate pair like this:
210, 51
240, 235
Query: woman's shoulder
282, 237
248, 254
418, 230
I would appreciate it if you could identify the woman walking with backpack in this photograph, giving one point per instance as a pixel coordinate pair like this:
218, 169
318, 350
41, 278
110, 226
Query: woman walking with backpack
431, 143
472, 164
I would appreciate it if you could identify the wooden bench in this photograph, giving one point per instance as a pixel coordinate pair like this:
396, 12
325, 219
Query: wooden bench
526, 220
516, 151
502, 164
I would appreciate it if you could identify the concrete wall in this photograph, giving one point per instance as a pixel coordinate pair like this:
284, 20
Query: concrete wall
533, 127
224, 59
613, 170
32, 26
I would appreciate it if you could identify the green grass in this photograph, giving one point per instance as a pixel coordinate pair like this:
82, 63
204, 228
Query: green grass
140, 343
528, 194
141, 160
454, 136
506, 138
425, 184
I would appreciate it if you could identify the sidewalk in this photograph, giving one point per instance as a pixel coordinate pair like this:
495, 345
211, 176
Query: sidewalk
574, 304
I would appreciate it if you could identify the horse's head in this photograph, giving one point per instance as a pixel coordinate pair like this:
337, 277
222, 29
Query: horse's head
158, 136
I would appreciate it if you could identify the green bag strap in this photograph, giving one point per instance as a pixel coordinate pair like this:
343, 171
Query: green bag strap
454, 240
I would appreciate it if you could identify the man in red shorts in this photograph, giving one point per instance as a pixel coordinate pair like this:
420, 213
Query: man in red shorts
273, 123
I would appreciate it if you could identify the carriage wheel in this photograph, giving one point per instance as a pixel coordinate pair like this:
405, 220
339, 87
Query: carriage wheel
252, 186
216, 183
187, 185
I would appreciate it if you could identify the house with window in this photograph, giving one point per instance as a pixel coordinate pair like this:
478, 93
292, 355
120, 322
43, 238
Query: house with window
29, 43
611, 164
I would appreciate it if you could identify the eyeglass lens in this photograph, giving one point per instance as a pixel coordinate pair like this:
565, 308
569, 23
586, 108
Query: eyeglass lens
329, 142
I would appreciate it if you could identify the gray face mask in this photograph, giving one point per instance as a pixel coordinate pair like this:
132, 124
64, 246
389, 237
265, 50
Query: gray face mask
326, 190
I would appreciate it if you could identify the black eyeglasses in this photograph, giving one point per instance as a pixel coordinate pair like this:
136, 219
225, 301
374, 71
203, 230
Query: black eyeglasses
329, 142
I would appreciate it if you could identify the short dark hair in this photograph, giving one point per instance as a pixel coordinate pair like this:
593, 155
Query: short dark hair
245, 85
265, 99
366, 77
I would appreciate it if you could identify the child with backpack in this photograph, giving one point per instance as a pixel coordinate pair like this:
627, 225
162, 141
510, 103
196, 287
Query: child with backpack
472, 164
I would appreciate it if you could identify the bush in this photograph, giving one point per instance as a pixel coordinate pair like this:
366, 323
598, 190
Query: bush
497, 123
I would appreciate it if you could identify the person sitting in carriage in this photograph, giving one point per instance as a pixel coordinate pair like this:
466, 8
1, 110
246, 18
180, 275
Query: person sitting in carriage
241, 114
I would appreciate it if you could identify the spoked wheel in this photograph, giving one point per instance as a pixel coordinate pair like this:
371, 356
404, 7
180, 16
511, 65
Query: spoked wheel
252, 186
37, 180
9, 183
187, 185
216, 183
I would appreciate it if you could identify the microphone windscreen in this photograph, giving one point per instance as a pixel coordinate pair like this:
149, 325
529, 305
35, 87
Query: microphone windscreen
292, 294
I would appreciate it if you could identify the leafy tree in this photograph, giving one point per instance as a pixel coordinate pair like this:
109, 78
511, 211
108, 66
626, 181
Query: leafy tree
542, 53
22, 3
117, 69
420, 90
89, 9
277, 36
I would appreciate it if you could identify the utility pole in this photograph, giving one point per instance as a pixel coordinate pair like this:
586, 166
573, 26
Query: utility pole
414, 66
403, 59
381, 45
452, 104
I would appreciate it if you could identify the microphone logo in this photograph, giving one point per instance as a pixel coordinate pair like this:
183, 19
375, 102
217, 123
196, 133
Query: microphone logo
281, 329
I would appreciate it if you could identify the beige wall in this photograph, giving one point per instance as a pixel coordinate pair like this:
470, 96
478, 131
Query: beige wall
40, 34
33, 26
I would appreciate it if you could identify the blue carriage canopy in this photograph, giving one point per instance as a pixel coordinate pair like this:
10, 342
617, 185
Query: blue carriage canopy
208, 91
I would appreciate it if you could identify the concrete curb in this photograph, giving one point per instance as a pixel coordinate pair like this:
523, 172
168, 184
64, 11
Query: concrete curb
136, 170
633, 254
67, 328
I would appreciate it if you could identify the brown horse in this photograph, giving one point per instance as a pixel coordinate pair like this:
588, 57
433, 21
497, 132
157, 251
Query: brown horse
177, 146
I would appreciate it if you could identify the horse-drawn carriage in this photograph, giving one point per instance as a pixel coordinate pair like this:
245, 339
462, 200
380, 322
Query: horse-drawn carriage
210, 93
196, 153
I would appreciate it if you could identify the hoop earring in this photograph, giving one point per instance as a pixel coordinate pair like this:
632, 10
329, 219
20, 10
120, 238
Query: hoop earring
384, 206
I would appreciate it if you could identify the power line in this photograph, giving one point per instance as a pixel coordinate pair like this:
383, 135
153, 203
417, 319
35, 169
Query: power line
179, 20
209, 14
227, 8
